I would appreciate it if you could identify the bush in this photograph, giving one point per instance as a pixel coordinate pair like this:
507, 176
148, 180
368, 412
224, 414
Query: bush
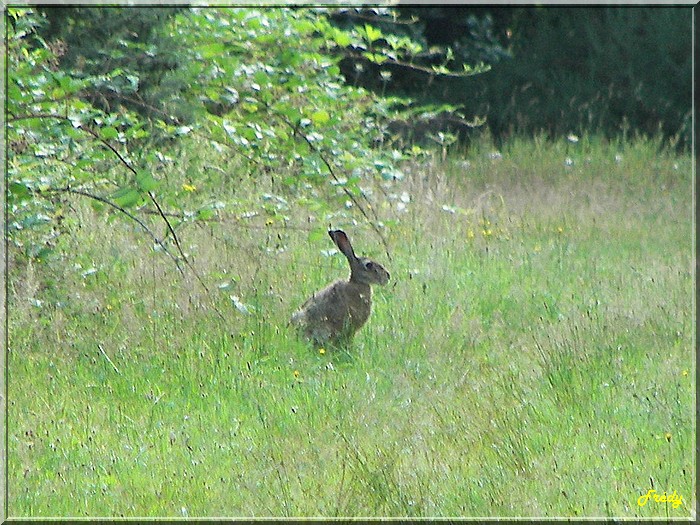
257, 94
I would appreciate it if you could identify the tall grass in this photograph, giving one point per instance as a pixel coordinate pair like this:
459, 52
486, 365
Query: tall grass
532, 355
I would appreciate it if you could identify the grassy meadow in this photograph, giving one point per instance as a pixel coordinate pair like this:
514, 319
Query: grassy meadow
532, 355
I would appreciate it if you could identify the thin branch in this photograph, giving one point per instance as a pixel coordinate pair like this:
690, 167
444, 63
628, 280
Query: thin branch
126, 164
116, 153
222, 218
121, 210
422, 69
86, 129
376, 18
372, 223
347, 192
177, 243
99, 346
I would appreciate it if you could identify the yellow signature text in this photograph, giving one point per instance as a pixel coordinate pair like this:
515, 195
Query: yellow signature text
675, 499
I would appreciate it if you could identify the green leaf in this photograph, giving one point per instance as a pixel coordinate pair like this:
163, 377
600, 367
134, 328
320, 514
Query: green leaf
19, 191
36, 220
57, 93
145, 181
205, 214
212, 50
249, 107
374, 57
320, 117
341, 38
109, 133
67, 83
38, 252
372, 33
126, 197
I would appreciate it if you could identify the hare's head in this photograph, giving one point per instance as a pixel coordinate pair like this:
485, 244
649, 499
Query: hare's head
362, 269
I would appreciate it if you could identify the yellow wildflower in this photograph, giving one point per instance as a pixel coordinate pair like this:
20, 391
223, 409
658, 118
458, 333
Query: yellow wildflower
189, 187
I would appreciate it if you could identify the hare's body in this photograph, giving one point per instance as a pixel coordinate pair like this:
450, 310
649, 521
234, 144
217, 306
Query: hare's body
334, 314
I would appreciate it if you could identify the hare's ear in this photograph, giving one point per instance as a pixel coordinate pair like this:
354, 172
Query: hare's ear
343, 243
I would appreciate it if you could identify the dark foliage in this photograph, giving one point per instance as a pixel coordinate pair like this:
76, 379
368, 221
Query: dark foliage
560, 70
100, 40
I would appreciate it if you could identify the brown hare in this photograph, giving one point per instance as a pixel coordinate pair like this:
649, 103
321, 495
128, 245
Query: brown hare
334, 314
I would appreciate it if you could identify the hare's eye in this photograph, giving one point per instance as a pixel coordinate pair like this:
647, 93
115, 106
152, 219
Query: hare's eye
369, 265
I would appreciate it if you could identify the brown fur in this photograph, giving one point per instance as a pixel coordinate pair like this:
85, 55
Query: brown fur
334, 314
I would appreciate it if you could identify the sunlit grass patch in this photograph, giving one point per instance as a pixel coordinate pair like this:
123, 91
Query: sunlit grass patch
531, 356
